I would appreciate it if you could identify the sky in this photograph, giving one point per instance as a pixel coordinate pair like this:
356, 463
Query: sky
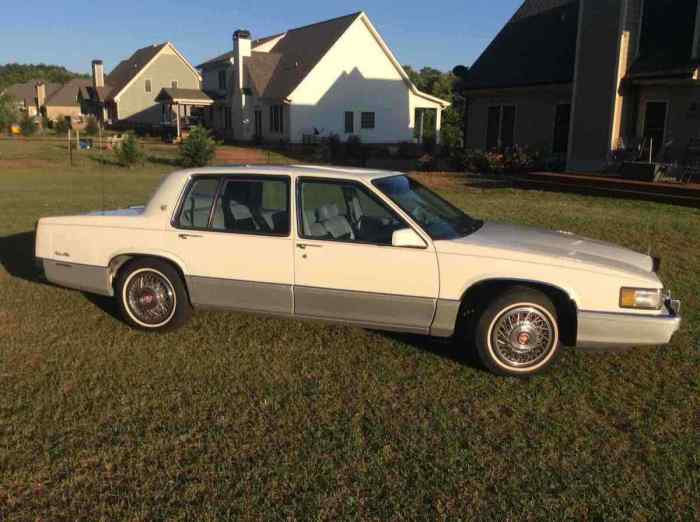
73, 33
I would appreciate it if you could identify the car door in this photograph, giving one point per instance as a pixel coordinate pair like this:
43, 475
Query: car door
234, 235
346, 268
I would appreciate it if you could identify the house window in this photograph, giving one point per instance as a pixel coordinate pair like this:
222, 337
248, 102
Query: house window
173, 84
368, 120
349, 122
277, 119
222, 80
149, 87
500, 128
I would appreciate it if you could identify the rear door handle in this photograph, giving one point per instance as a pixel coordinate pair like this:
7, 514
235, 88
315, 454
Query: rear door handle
189, 236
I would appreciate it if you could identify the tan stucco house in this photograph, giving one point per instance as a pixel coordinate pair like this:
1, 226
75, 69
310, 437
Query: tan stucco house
51, 100
581, 78
128, 95
333, 77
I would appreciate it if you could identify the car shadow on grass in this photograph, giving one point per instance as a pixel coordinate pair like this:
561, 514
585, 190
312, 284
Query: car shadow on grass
17, 257
450, 349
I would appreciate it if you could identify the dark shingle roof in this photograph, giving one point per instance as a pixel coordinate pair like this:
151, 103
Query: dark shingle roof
276, 74
537, 46
127, 69
26, 91
67, 95
668, 28
170, 94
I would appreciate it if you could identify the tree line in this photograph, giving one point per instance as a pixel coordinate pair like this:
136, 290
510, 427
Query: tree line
13, 73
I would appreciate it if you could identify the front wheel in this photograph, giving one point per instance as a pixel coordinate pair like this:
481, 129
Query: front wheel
518, 333
152, 295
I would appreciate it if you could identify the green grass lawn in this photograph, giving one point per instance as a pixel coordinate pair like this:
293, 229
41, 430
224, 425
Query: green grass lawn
243, 417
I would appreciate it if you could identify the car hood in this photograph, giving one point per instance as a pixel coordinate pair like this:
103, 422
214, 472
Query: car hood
565, 247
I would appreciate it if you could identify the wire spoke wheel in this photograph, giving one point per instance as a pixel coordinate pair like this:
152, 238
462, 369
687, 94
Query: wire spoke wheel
522, 337
150, 297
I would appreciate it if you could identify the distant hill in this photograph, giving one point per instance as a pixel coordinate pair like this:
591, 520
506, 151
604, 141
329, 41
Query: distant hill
19, 73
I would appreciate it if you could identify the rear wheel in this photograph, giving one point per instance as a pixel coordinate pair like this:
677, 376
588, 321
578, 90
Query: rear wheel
518, 333
152, 295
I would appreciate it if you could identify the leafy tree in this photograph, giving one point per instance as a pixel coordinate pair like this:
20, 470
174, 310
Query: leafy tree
13, 73
28, 125
8, 112
91, 126
197, 149
61, 125
129, 152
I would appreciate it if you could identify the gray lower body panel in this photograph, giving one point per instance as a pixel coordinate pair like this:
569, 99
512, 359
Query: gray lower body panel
240, 295
406, 314
93, 279
445, 320
602, 330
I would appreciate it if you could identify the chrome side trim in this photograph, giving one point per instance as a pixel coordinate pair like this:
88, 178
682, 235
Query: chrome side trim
600, 330
445, 321
245, 296
87, 278
408, 314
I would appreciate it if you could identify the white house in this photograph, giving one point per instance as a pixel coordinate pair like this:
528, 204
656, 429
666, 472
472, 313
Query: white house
333, 77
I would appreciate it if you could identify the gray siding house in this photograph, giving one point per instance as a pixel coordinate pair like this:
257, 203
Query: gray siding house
128, 95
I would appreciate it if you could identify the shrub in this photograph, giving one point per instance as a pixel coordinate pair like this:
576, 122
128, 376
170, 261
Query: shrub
128, 152
197, 149
335, 147
517, 159
354, 147
91, 126
8, 112
410, 150
451, 138
28, 125
61, 125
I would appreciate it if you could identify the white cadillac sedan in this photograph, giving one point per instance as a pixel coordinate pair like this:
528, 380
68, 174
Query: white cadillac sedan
368, 248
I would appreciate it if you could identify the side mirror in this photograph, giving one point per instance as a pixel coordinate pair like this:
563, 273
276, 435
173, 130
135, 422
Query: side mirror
407, 238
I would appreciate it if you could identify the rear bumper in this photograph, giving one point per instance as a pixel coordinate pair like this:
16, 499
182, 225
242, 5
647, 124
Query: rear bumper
613, 330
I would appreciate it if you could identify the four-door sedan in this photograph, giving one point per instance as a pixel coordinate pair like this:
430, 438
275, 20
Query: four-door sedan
368, 248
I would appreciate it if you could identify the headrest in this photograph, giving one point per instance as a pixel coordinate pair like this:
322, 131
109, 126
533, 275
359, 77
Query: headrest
240, 211
327, 212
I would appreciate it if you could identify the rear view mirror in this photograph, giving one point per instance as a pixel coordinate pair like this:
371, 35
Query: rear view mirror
407, 238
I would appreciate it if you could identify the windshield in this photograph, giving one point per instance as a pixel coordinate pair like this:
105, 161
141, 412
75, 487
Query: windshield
439, 219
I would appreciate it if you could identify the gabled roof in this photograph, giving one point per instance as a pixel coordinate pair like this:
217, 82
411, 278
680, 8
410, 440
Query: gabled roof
537, 46
67, 95
666, 43
292, 58
26, 92
129, 68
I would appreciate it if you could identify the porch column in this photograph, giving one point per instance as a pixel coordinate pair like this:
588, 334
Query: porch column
177, 117
438, 125
421, 125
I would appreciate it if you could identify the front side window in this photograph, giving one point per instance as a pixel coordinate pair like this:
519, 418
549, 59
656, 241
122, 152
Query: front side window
345, 211
368, 120
439, 218
253, 206
500, 128
277, 119
196, 207
349, 122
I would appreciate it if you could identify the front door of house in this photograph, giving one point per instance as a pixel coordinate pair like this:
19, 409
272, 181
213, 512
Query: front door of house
654, 127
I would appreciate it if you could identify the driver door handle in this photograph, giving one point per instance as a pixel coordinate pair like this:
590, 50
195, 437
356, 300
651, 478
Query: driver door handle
304, 246
189, 236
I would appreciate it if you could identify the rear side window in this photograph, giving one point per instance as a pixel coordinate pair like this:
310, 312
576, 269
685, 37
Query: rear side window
196, 207
253, 206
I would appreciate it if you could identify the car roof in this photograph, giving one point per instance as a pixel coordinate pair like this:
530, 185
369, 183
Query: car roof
291, 170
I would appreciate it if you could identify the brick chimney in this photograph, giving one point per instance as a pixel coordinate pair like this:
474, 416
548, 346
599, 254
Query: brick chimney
98, 74
241, 50
40, 90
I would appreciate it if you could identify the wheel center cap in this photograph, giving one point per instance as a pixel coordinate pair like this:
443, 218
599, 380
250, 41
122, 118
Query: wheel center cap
147, 299
524, 338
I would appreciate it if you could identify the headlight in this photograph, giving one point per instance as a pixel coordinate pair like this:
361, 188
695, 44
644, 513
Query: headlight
641, 298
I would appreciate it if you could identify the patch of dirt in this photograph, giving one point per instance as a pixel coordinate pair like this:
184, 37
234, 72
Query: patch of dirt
8, 320
240, 155
24, 163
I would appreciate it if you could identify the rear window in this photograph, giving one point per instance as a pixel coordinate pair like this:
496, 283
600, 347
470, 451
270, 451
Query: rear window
196, 208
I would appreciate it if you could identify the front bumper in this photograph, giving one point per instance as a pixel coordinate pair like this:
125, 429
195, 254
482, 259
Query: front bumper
615, 330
